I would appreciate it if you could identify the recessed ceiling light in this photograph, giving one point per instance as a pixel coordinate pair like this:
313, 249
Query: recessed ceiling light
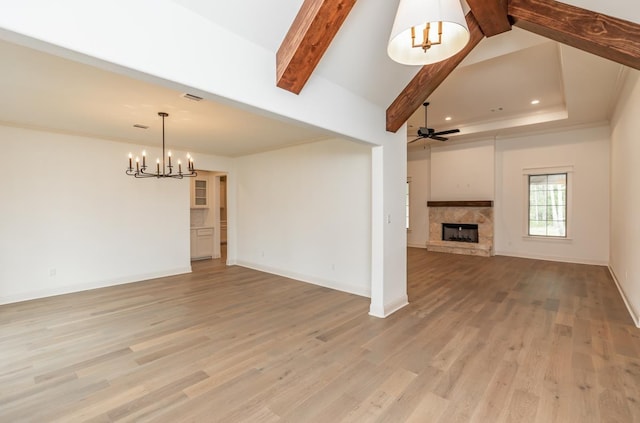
447, 118
534, 102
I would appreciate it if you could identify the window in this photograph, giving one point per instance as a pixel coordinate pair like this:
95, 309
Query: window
548, 205
407, 203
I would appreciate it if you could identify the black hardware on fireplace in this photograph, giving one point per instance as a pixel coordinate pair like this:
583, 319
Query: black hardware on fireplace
460, 232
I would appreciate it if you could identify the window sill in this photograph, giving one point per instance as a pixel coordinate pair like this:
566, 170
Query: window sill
547, 239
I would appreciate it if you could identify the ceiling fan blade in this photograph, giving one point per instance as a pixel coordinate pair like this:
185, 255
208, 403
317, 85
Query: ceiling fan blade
449, 131
419, 138
435, 137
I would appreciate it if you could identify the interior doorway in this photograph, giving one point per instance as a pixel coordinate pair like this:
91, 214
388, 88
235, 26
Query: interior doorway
208, 216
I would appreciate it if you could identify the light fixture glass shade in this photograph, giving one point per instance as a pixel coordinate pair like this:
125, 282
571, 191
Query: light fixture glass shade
416, 14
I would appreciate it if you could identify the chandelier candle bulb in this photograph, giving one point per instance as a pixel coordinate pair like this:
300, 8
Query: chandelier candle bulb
179, 167
169, 155
144, 158
130, 157
137, 164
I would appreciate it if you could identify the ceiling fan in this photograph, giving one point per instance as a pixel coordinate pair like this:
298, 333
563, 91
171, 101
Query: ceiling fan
425, 132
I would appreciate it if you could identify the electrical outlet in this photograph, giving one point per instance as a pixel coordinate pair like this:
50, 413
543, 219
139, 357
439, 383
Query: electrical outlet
52, 271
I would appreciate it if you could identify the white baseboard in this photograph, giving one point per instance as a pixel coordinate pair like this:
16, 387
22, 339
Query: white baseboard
338, 286
388, 308
553, 258
634, 316
43, 293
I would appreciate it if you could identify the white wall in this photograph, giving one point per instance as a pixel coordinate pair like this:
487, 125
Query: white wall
462, 171
70, 219
305, 212
625, 194
586, 150
418, 172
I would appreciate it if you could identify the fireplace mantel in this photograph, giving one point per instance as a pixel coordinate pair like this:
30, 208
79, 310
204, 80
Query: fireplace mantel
487, 203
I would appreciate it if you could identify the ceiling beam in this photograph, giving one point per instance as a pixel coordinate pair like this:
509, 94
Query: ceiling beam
309, 36
428, 79
491, 16
605, 36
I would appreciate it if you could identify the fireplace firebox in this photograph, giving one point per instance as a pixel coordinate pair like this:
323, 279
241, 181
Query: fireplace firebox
460, 232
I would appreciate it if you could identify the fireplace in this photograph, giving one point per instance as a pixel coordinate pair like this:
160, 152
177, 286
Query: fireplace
460, 232
461, 227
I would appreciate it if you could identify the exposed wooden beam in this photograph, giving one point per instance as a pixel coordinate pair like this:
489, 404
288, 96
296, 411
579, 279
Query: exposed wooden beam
313, 29
605, 36
491, 16
428, 79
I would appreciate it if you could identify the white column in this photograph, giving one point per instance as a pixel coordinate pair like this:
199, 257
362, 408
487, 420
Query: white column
388, 231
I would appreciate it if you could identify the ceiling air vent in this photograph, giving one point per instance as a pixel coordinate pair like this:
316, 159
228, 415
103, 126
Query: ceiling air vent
192, 97
138, 125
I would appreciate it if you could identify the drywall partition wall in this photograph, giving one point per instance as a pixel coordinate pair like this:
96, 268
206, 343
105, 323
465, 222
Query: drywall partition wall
585, 154
304, 212
462, 171
395, 233
70, 219
418, 175
625, 194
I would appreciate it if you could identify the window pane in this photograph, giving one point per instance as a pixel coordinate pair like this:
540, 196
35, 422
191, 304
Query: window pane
538, 182
537, 228
548, 205
556, 197
539, 213
556, 213
555, 229
559, 179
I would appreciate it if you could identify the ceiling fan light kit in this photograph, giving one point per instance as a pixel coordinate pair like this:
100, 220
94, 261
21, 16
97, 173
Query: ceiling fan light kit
140, 170
427, 31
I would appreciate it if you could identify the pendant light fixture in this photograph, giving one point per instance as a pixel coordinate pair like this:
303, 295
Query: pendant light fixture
140, 171
427, 31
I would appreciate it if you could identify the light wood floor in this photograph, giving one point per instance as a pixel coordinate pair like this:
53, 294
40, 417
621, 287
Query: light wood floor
483, 340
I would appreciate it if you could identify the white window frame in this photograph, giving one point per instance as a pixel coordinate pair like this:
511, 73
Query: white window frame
550, 170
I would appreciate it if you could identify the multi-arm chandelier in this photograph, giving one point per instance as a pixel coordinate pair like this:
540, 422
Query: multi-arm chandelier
140, 170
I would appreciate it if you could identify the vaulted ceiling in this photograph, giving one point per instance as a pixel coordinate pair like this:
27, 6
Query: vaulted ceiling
486, 92
318, 21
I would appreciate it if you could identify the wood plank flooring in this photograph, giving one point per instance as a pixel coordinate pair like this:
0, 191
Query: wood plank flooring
483, 340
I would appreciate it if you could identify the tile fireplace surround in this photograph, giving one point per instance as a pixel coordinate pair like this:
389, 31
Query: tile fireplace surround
478, 212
